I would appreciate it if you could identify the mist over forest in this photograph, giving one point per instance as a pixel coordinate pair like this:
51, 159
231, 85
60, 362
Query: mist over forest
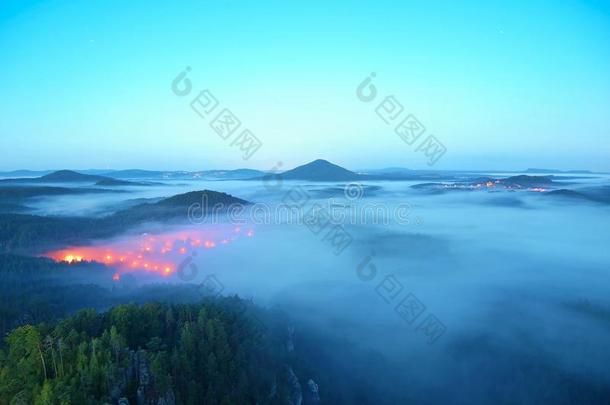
378, 290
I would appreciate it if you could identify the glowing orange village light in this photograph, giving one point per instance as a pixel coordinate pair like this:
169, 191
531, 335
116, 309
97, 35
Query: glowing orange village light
72, 258
149, 254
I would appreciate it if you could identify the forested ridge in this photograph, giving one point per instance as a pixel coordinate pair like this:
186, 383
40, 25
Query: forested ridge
211, 352
22, 233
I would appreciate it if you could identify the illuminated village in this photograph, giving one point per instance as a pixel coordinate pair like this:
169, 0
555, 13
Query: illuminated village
152, 253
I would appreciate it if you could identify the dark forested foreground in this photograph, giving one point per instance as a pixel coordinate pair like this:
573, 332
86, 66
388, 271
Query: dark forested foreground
193, 349
188, 351
213, 352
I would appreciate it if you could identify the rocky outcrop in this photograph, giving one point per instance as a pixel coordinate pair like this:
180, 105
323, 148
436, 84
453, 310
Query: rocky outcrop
290, 339
142, 377
138, 371
296, 393
312, 393
287, 388
142, 369
168, 399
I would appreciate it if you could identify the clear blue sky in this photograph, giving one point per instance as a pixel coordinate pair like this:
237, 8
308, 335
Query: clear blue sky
513, 84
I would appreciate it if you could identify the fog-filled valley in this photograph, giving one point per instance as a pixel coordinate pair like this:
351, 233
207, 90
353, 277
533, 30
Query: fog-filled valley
420, 288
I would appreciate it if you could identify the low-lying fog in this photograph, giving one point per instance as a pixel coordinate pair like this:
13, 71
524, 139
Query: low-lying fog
519, 280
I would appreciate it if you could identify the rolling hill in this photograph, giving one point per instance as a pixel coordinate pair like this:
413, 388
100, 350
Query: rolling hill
318, 170
68, 176
60, 176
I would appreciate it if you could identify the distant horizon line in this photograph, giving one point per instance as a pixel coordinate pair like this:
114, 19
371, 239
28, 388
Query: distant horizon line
386, 168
